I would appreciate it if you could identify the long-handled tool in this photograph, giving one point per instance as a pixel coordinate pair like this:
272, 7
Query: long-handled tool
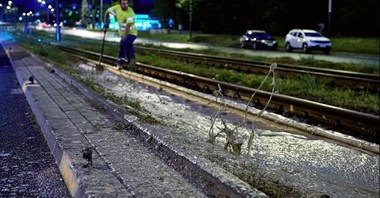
101, 54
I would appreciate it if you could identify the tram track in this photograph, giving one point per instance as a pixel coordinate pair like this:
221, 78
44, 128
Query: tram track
355, 80
358, 124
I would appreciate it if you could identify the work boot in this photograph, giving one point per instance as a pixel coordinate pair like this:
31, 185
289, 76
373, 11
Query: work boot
132, 65
121, 63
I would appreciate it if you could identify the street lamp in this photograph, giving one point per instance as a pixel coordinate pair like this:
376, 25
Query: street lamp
191, 19
329, 17
101, 13
1, 12
58, 28
26, 29
26, 20
12, 10
48, 13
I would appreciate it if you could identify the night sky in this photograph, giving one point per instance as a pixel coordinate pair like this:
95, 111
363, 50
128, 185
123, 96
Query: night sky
32, 3
141, 6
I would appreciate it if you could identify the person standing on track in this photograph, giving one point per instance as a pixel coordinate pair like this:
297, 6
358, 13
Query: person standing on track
125, 16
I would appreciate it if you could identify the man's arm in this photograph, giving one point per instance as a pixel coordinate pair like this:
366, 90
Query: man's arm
106, 17
127, 29
130, 20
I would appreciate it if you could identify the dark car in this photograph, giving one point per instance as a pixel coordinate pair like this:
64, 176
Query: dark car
258, 39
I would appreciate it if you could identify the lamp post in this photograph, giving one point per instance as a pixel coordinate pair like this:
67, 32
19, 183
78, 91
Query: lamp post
12, 10
9, 8
1, 12
101, 13
26, 19
48, 8
58, 28
191, 19
329, 17
7, 13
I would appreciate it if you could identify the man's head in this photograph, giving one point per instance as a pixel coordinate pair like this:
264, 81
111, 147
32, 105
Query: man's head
123, 4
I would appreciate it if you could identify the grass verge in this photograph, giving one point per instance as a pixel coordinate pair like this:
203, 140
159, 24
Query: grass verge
306, 87
53, 55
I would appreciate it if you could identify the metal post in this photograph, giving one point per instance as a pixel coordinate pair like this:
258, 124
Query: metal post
26, 19
93, 11
329, 16
58, 28
101, 13
14, 17
191, 19
26, 30
1, 12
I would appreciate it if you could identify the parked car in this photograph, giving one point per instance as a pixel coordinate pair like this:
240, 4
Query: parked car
307, 40
258, 39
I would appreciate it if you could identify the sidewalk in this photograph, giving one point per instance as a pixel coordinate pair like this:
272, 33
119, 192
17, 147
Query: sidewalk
123, 166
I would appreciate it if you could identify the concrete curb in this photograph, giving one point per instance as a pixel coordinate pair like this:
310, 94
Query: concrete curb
55, 126
63, 160
223, 183
195, 167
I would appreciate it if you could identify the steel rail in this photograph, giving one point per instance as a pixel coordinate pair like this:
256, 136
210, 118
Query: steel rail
362, 125
339, 77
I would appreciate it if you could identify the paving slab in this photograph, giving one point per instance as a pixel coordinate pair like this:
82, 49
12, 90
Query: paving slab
122, 165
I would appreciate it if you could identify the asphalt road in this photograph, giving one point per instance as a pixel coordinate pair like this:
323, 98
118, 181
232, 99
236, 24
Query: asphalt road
372, 60
27, 168
335, 57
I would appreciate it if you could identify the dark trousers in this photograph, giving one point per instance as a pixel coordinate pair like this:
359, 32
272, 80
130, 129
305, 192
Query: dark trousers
126, 47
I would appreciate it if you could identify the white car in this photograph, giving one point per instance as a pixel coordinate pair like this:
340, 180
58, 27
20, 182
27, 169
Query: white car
307, 40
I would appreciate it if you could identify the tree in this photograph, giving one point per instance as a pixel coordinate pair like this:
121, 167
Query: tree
356, 18
70, 14
165, 9
349, 17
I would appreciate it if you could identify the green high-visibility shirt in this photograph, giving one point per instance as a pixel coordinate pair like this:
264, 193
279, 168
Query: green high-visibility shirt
124, 17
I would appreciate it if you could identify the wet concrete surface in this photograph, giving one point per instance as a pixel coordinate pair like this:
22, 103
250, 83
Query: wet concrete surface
27, 167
